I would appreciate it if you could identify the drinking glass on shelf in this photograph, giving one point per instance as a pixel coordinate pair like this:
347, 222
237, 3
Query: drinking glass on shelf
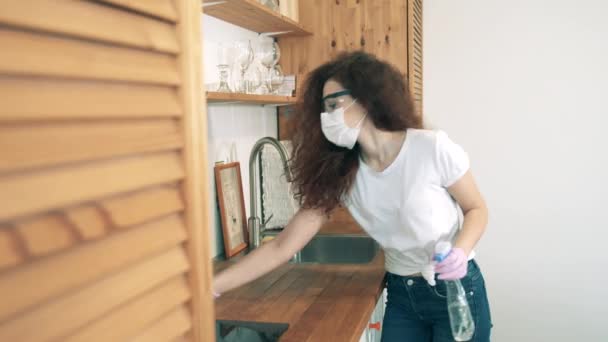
268, 53
243, 59
272, 4
224, 64
275, 78
253, 78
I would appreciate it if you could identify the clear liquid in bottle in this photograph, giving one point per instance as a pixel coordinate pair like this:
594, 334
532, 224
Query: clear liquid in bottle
461, 320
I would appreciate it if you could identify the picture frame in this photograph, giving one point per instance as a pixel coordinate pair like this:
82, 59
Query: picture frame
231, 202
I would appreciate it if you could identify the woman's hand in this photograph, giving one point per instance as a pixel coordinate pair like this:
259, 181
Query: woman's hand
300, 230
454, 266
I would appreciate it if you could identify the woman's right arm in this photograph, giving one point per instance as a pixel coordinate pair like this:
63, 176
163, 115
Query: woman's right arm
301, 229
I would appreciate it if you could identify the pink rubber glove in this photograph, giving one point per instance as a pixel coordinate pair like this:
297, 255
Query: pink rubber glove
454, 266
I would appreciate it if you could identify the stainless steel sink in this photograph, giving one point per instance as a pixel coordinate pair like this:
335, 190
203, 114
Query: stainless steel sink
338, 249
244, 331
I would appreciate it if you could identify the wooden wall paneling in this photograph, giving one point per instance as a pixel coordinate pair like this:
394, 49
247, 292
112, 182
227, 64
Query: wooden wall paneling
302, 54
375, 26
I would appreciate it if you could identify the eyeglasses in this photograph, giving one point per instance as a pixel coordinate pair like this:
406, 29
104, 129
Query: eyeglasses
334, 100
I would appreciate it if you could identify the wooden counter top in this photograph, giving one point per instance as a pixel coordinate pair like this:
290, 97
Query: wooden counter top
319, 302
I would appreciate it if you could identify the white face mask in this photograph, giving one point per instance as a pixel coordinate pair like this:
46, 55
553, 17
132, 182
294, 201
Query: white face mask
335, 129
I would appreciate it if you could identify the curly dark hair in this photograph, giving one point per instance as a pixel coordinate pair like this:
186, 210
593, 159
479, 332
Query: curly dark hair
322, 172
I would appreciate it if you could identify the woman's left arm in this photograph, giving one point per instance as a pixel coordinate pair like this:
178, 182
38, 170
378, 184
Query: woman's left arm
475, 212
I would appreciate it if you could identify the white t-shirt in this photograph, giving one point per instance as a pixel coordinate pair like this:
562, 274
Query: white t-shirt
406, 207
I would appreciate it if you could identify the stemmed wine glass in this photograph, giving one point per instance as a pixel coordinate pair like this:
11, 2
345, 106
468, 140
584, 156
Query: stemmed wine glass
224, 63
276, 78
243, 59
268, 53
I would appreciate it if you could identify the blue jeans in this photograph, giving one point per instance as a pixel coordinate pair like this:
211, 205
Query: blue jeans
417, 312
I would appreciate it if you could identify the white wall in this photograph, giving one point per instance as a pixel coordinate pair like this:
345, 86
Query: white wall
241, 125
523, 86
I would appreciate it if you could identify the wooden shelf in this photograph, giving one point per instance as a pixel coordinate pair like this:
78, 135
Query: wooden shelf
253, 16
277, 100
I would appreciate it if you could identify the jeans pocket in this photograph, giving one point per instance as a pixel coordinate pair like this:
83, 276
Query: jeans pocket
439, 290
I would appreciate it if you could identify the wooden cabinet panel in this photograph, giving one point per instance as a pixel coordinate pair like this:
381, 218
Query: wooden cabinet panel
103, 213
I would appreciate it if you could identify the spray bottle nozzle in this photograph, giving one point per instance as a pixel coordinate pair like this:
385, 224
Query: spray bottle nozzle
442, 250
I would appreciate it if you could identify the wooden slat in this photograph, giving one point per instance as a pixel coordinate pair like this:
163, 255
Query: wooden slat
33, 99
62, 316
141, 206
45, 55
91, 21
418, 42
417, 31
415, 52
416, 16
139, 313
46, 234
43, 234
33, 283
26, 146
30, 192
88, 221
11, 253
164, 9
169, 327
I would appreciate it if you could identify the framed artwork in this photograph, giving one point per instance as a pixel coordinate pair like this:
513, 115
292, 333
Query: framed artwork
232, 207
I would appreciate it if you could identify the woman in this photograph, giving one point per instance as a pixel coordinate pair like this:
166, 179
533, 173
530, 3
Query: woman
359, 143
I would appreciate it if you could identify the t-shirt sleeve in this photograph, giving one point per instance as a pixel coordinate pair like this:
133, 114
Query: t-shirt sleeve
452, 161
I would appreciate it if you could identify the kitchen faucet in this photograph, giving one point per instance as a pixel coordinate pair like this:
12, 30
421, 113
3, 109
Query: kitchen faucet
253, 223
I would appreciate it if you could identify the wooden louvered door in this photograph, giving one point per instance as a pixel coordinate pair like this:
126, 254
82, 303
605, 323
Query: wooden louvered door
414, 32
103, 183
